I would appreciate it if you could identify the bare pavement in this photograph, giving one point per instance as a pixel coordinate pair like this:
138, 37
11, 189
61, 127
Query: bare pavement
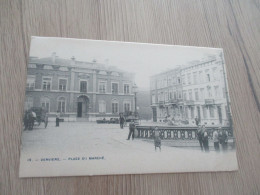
108, 141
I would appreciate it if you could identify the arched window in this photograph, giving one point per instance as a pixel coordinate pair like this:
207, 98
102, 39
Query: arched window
61, 104
45, 103
115, 109
102, 106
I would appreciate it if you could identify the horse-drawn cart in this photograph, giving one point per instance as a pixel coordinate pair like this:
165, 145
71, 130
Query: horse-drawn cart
35, 114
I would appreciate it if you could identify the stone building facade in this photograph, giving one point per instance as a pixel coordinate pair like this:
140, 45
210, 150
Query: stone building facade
199, 91
79, 90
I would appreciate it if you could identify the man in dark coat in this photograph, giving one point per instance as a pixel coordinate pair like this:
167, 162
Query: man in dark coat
205, 139
121, 121
131, 130
57, 119
199, 134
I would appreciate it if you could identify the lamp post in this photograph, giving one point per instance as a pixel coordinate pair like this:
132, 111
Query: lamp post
227, 95
135, 92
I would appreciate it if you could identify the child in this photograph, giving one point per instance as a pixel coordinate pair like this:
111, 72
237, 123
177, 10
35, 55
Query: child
157, 139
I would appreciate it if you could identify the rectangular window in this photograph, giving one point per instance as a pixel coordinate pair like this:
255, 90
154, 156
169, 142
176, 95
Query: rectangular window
166, 96
153, 99
204, 110
190, 95
196, 94
46, 84
211, 111
202, 95
102, 87
192, 112
62, 84
83, 86
126, 107
201, 76
214, 72
186, 112
175, 95
179, 80
183, 80
207, 76
195, 78
126, 89
189, 78
114, 88
184, 95
209, 92
30, 84
216, 89
102, 107
179, 94
114, 108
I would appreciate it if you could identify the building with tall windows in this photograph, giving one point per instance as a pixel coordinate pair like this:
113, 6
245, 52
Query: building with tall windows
166, 95
87, 90
203, 93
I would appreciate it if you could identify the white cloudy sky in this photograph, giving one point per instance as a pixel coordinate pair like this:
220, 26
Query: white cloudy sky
142, 59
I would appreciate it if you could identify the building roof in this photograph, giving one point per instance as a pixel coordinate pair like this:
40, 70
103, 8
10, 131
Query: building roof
75, 63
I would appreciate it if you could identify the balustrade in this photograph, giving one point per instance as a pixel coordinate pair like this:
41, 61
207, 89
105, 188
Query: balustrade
175, 133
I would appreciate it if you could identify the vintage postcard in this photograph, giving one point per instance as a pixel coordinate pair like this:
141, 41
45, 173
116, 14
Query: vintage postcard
105, 107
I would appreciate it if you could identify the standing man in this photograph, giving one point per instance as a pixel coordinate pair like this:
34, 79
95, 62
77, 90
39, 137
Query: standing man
121, 121
57, 119
205, 139
216, 140
131, 130
199, 134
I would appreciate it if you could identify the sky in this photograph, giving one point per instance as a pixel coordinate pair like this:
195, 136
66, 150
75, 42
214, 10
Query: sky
142, 59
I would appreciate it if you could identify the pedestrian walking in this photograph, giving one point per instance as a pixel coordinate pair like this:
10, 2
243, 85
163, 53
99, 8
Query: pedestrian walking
157, 139
57, 119
216, 140
131, 130
205, 139
200, 134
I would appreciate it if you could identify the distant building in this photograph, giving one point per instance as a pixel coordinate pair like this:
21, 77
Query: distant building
77, 89
166, 95
143, 105
196, 90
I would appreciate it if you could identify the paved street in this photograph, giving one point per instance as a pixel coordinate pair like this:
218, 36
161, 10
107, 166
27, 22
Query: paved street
107, 141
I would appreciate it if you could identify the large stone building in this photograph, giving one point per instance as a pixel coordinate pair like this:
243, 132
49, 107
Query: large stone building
195, 90
77, 89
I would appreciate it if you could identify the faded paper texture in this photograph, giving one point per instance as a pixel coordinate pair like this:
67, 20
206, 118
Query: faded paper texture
103, 107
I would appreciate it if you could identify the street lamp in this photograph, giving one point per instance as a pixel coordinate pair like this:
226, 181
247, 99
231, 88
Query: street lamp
135, 92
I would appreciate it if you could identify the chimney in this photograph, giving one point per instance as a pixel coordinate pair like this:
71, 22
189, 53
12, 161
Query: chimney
73, 63
53, 56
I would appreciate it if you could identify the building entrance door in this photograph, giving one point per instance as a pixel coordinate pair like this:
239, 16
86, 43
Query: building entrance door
154, 115
219, 115
83, 106
79, 109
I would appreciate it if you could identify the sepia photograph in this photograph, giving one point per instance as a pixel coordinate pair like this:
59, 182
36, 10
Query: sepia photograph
97, 107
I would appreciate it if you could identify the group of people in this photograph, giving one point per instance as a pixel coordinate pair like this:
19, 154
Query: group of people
29, 118
220, 138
